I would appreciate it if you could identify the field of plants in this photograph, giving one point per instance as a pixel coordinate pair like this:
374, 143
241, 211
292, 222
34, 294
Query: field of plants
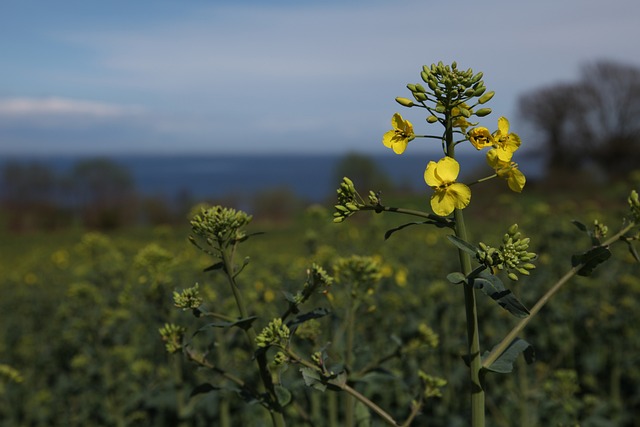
81, 313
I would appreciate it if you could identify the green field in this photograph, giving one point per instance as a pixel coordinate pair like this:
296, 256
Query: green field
80, 313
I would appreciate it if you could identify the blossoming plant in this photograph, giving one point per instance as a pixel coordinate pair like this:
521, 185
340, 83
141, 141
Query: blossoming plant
451, 98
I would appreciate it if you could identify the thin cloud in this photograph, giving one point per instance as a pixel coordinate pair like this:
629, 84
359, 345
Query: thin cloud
22, 108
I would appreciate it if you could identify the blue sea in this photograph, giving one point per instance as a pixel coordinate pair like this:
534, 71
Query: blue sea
311, 177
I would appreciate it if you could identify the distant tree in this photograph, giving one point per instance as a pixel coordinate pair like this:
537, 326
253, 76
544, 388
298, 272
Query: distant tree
28, 193
105, 192
363, 171
593, 121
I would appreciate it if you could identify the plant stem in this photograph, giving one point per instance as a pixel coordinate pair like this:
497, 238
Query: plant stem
277, 416
508, 339
471, 311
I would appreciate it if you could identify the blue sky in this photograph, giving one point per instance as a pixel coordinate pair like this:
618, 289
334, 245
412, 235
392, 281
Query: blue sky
195, 76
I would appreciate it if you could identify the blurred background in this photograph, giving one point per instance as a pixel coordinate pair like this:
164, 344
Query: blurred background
119, 112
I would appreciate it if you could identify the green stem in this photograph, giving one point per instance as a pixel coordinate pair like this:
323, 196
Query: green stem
471, 311
277, 416
508, 339
487, 178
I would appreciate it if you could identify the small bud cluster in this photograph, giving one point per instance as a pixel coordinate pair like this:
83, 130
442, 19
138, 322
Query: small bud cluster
350, 202
511, 256
599, 230
432, 385
634, 205
428, 335
188, 299
280, 359
362, 273
218, 226
275, 334
449, 87
172, 336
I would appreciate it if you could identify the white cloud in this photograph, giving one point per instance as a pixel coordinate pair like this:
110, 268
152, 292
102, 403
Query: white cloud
27, 108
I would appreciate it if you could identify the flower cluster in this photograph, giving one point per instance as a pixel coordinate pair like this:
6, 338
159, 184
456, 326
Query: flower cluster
172, 336
350, 202
512, 256
218, 227
275, 334
634, 205
503, 144
188, 299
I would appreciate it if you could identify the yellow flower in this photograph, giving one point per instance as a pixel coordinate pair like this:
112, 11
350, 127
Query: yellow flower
509, 142
398, 138
448, 194
506, 169
480, 137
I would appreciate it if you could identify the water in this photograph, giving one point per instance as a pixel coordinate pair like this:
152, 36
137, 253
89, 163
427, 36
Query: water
311, 177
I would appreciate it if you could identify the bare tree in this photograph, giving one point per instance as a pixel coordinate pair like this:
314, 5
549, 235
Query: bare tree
593, 121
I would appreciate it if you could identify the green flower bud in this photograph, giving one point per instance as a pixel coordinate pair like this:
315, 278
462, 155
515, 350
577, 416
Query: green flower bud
465, 113
486, 97
425, 76
405, 102
477, 77
432, 119
411, 87
479, 91
420, 88
512, 276
419, 96
483, 112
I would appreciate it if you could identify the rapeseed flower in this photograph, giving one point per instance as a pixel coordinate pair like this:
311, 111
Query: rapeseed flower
448, 194
398, 138
506, 169
506, 143
480, 138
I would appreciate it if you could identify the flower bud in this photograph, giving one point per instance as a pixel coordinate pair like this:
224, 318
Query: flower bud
477, 77
486, 97
425, 76
411, 87
405, 102
419, 96
479, 90
432, 119
483, 112
420, 88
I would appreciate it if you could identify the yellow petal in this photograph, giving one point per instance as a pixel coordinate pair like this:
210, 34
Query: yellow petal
455, 196
503, 126
430, 176
461, 194
387, 138
516, 180
399, 145
397, 122
447, 169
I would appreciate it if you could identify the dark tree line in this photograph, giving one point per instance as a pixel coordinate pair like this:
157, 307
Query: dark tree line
592, 123
97, 193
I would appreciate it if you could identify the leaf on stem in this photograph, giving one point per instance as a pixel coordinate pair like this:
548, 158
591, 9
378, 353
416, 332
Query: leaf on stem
202, 389
243, 324
590, 260
492, 286
504, 363
461, 244
216, 266
313, 314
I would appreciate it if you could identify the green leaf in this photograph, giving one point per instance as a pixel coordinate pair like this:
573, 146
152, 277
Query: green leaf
580, 226
283, 395
456, 278
504, 363
590, 259
314, 314
202, 389
240, 323
429, 222
492, 286
461, 244
337, 382
216, 266
312, 378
